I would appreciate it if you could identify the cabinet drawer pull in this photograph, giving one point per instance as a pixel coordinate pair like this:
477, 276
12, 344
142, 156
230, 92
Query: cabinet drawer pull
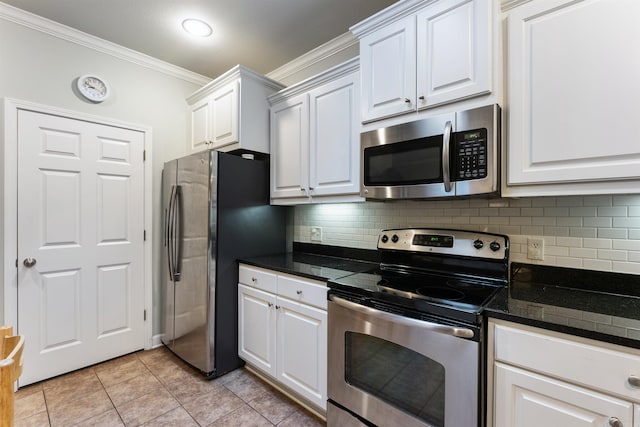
299, 292
421, 98
634, 381
407, 100
615, 422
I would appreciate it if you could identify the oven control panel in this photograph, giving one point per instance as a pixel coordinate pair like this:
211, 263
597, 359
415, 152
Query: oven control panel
445, 241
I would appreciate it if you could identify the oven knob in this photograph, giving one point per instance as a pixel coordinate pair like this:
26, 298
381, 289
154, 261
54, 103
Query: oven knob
494, 246
478, 244
384, 238
395, 238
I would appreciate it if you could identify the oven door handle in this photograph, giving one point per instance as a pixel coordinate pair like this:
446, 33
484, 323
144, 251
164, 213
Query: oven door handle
407, 321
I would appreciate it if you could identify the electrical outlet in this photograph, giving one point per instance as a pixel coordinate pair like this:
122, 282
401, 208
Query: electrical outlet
316, 234
535, 248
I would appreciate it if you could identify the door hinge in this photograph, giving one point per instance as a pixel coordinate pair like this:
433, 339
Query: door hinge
144, 155
16, 262
145, 315
144, 235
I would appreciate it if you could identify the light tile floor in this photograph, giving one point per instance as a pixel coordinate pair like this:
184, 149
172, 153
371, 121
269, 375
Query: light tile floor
155, 388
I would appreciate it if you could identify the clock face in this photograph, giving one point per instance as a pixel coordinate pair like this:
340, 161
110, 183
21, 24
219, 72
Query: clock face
93, 88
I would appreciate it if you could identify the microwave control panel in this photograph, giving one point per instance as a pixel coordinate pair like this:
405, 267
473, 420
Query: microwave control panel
470, 151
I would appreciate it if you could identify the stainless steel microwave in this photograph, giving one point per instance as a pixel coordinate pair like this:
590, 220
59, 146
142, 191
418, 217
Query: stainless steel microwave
449, 155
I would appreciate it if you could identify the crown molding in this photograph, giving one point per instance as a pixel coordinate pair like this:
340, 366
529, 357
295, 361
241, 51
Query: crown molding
238, 72
314, 56
391, 14
340, 70
38, 23
510, 4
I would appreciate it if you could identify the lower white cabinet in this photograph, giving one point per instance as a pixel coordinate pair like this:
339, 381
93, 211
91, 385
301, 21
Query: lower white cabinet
526, 399
543, 378
282, 330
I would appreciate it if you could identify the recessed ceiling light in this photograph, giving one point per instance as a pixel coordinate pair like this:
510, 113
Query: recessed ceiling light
197, 27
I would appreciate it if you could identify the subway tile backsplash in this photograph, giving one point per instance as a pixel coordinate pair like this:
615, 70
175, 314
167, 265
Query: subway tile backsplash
591, 232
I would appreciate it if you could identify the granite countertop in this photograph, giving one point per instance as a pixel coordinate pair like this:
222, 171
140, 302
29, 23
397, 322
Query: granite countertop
593, 304
318, 262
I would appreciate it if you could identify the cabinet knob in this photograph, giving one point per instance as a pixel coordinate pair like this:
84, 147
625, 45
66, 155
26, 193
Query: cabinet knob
254, 280
29, 262
634, 381
421, 97
407, 100
299, 292
270, 304
277, 307
615, 422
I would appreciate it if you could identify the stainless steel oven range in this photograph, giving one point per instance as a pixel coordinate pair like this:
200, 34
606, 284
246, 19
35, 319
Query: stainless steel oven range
406, 341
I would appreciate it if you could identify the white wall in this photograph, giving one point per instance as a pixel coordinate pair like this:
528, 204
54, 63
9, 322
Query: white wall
591, 232
41, 68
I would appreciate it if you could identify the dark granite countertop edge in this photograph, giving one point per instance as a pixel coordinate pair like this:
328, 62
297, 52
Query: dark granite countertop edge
281, 269
321, 252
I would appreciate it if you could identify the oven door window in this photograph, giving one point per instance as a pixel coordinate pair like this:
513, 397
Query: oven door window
404, 163
397, 375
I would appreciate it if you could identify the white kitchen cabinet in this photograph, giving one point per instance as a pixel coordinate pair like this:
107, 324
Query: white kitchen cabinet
525, 399
290, 148
315, 139
232, 112
282, 331
257, 322
302, 349
547, 378
572, 97
417, 55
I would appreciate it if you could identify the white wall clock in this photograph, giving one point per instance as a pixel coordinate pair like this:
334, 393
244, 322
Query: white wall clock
93, 88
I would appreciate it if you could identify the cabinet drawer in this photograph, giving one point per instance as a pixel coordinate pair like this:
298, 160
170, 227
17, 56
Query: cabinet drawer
307, 292
257, 278
591, 365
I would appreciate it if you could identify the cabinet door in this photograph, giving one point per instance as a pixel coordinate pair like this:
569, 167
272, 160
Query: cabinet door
573, 91
525, 399
290, 148
388, 70
257, 328
200, 122
453, 51
334, 143
224, 115
302, 350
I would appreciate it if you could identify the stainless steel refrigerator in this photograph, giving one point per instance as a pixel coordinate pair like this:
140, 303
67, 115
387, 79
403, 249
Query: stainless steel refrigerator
216, 210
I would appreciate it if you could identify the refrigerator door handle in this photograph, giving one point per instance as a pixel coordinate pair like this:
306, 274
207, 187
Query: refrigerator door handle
177, 254
168, 231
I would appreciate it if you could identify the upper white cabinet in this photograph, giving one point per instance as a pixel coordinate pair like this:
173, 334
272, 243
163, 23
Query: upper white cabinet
232, 112
419, 54
315, 139
572, 97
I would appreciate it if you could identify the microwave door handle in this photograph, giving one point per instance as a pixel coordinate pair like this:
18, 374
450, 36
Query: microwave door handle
406, 321
446, 178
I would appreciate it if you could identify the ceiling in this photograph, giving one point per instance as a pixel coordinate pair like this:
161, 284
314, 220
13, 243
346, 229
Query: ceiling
260, 34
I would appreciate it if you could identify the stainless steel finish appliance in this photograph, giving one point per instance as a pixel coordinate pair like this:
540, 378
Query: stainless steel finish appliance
216, 210
406, 341
456, 154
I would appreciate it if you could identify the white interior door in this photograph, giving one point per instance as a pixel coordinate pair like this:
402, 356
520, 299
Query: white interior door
81, 218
